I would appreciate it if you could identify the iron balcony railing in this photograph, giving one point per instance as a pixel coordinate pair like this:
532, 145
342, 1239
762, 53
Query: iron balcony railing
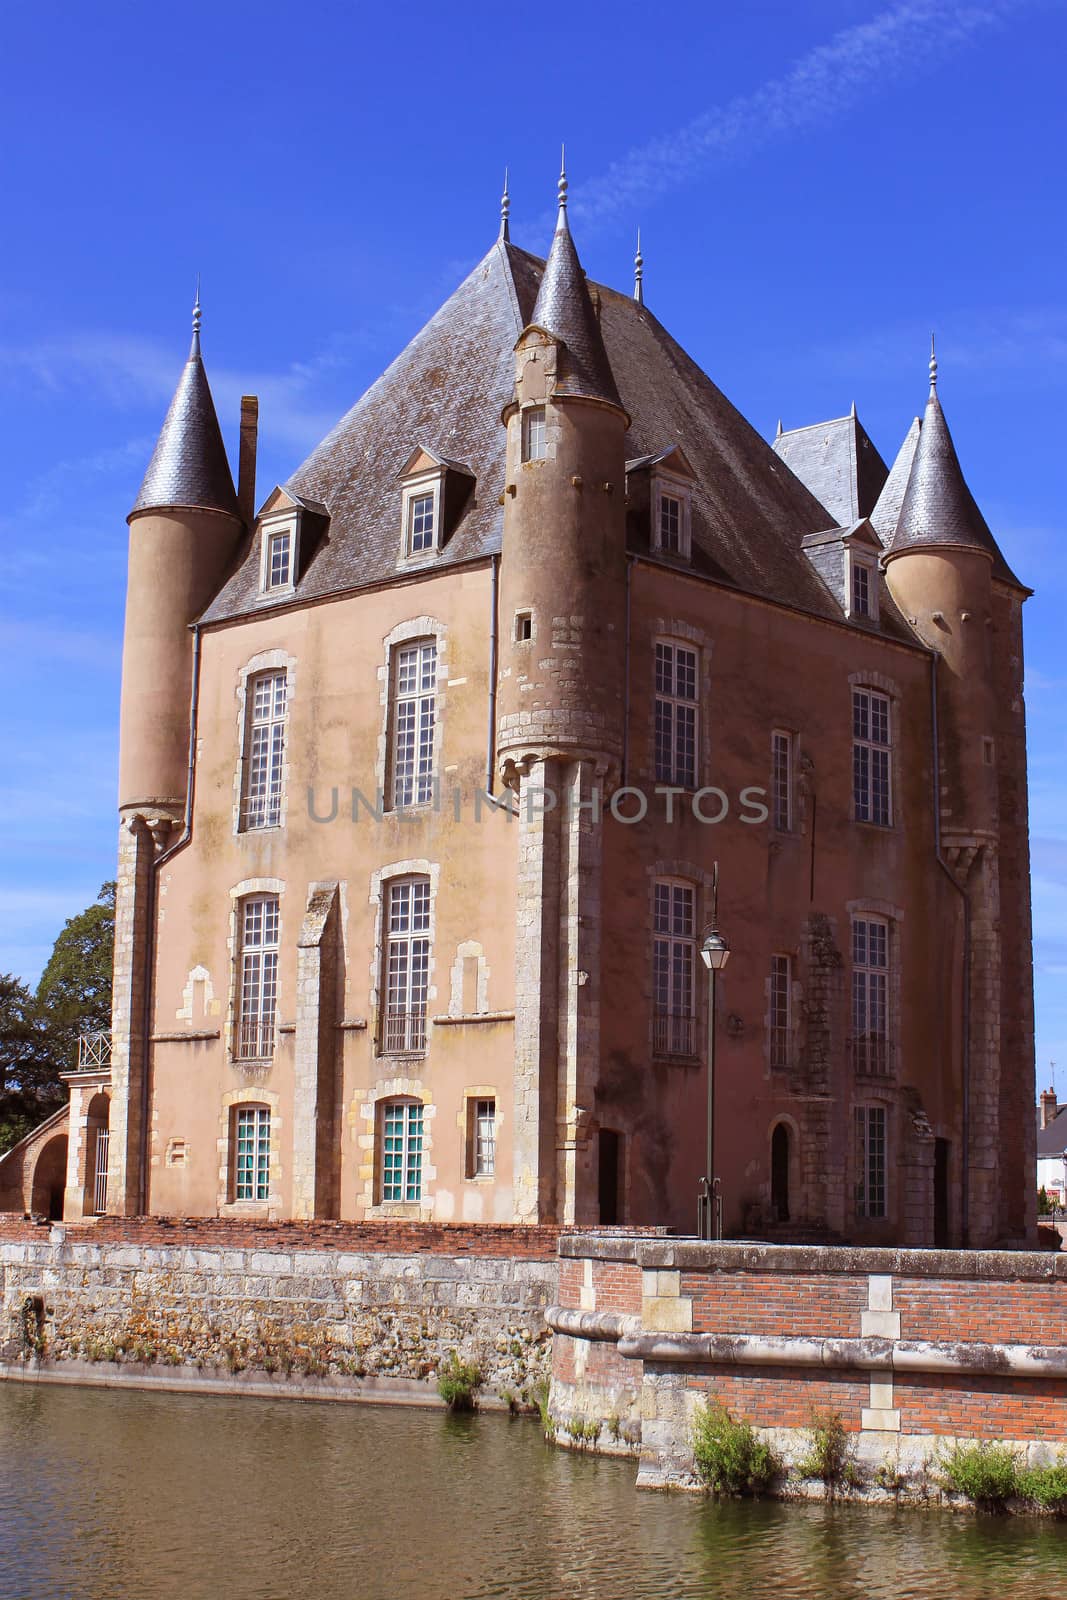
94, 1051
871, 1055
673, 1034
255, 1038
404, 1032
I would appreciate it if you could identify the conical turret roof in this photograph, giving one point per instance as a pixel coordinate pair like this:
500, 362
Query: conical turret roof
938, 508
564, 308
189, 465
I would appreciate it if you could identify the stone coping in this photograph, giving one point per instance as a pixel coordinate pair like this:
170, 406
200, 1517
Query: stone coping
696, 1255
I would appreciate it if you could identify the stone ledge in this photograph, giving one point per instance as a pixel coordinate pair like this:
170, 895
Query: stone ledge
695, 1255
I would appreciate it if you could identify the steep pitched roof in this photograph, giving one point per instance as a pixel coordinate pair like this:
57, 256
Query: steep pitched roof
838, 462
938, 508
886, 513
447, 389
564, 308
189, 465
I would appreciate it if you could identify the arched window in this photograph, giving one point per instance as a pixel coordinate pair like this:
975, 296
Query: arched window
402, 1127
266, 711
406, 976
780, 1173
257, 987
250, 1143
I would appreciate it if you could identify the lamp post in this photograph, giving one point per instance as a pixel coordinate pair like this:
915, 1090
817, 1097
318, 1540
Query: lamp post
715, 953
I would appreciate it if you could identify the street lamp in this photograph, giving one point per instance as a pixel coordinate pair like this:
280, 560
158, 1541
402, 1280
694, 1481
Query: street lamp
715, 953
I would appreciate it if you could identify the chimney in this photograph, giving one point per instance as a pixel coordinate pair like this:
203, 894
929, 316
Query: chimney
246, 464
1049, 1107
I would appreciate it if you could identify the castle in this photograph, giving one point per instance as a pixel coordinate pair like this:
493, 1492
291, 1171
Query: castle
426, 766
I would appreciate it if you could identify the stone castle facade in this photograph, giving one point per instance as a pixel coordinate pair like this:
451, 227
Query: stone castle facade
426, 767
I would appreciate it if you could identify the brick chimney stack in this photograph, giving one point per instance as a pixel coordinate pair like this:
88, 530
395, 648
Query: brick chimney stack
1049, 1107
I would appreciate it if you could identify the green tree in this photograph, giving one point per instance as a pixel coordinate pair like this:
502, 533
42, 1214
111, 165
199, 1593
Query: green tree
29, 1084
74, 994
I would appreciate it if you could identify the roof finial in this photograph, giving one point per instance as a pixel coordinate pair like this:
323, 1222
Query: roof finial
562, 185
639, 273
778, 435
505, 209
195, 348
933, 366
852, 413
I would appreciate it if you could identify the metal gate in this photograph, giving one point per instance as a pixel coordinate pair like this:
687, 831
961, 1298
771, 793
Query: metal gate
103, 1136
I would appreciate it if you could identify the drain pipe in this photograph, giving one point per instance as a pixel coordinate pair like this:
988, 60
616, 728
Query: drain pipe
965, 1167
494, 643
626, 679
150, 929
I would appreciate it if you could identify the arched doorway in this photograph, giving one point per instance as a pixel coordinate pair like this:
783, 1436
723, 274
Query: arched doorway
780, 1173
49, 1179
97, 1134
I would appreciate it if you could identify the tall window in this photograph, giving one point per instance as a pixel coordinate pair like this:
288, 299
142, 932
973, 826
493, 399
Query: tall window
870, 1161
780, 1009
402, 1131
251, 1143
257, 1000
407, 964
420, 523
261, 805
870, 757
670, 523
279, 559
676, 715
673, 965
481, 1161
870, 995
414, 705
534, 441
861, 589
782, 781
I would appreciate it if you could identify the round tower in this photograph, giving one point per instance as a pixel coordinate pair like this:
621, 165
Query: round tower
184, 527
563, 566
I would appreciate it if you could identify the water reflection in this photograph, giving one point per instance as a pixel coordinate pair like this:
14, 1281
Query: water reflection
114, 1495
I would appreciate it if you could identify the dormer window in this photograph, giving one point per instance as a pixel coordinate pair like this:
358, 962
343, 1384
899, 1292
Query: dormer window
279, 556
534, 435
421, 521
659, 494
862, 587
670, 517
434, 494
670, 523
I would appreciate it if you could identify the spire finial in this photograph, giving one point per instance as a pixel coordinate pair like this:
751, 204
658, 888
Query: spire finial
195, 348
852, 413
562, 185
639, 273
505, 209
933, 366
778, 435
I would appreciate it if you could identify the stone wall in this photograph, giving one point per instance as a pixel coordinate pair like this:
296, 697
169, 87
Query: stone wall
911, 1349
348, 1310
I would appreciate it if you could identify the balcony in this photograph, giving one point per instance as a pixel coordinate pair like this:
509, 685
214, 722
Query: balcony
94, 1051
673, 1034
404, 1033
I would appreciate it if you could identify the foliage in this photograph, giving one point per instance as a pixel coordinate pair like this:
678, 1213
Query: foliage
1046, 1486
730, 1456
583, 1430
829, 1454
988, 1474
1044, 1204
540, 1394
456, 1383
39, 1032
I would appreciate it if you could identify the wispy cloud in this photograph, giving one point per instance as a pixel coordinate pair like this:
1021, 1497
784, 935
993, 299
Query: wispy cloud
829, 80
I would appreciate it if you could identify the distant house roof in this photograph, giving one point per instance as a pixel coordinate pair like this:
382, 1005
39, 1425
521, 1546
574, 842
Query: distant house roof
1052, 1141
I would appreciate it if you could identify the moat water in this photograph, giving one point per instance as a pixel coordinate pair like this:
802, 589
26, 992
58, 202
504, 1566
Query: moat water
119, 1495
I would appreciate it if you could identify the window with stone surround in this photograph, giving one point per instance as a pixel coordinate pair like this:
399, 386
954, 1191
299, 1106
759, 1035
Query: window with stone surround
673, 968
870, 995
782, 780
250, 1142
257, 994
266, 714
671, 517
401, 1144
481, 1137
407, 965
780, 1011
534, 434
677, 677
871, 754
411, 724
871, 1161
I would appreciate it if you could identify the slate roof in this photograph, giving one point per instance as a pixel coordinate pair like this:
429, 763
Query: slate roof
446, 391
886, 514
1052, 1141
838, 462
938, 508
564, 308
189, 465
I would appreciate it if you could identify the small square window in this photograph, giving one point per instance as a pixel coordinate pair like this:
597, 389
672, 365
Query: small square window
523, 626
420, 523
534, 439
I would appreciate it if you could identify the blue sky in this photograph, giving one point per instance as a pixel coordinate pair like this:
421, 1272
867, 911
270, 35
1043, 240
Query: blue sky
817, 186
